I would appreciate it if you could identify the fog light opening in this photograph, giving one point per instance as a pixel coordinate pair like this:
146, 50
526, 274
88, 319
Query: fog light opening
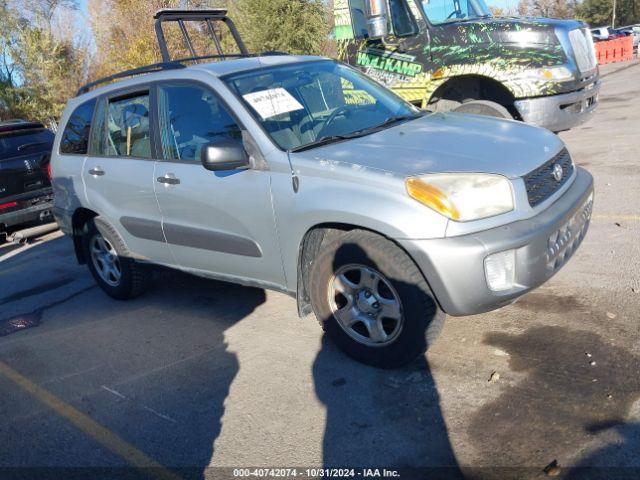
500, 270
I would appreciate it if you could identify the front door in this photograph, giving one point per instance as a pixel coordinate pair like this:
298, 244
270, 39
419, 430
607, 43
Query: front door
214, 222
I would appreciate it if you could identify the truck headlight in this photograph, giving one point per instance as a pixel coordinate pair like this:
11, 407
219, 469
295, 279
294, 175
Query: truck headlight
558, 73
463, 196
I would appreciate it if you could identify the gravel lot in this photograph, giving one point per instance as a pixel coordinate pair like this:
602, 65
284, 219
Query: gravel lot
199, 373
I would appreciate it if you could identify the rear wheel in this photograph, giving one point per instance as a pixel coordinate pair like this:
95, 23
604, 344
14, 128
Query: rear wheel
110, 263
373, 301
484, 107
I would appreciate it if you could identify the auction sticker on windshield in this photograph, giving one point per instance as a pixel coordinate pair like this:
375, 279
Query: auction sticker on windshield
269, 103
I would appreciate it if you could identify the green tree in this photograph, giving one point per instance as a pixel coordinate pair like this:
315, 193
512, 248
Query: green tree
546, 8
599, 13
293, 26
42, 65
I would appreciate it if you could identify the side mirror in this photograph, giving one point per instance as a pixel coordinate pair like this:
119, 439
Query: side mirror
377, 24
226, 155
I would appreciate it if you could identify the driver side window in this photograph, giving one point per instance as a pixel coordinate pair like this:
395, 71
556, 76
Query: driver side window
190, 117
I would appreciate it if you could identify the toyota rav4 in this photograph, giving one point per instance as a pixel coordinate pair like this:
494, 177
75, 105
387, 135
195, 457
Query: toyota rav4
303, 175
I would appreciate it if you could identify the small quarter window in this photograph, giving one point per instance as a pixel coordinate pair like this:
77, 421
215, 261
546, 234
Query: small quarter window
358, 18
190, 117
128, 127
401, 18
75, 138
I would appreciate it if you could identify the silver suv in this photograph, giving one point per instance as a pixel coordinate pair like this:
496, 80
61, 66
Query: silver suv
302, 175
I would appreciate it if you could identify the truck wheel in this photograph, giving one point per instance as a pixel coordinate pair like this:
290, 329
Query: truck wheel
484, 107
373, 301
109, 262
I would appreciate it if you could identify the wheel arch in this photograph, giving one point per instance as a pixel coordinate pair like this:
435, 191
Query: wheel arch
78, 222
310, 245
477, 87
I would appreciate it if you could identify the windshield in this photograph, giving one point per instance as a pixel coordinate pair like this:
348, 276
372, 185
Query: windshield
444, 11
306, 103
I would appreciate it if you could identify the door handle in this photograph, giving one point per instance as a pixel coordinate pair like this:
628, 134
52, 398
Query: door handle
96, 171
169, 179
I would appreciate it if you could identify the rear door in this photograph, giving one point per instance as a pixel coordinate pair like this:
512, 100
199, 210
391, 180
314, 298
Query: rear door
219, 222
119, 172
24, 159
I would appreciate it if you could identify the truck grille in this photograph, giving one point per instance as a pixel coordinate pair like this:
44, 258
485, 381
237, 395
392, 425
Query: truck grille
583, 49
541, 183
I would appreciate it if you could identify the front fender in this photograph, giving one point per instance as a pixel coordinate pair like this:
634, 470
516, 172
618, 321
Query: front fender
345, 194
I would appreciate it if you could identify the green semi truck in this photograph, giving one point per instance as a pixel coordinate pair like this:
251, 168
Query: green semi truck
448, 55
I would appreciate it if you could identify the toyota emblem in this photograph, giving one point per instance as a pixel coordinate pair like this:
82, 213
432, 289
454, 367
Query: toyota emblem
558, 172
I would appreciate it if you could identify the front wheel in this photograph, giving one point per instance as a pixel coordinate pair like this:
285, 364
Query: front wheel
373, 301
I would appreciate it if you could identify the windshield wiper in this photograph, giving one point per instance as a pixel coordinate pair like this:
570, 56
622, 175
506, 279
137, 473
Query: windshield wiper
395, 119
324, 140
466, 19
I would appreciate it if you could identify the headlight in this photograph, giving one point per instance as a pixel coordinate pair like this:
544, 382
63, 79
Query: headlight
463, 196
559, 73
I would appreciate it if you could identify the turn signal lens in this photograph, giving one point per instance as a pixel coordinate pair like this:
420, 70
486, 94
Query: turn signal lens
432, 197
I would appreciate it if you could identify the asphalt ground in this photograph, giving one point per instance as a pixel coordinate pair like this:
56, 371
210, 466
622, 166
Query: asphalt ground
197, 377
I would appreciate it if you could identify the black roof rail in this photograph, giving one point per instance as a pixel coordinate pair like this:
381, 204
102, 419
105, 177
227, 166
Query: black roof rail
210, 16
156, 67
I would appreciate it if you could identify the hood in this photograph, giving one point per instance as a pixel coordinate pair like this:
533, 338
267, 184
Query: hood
448, 142
521, 32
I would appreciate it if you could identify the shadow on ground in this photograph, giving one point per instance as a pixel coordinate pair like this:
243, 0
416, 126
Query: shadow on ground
155, 371
577, 386
380, 418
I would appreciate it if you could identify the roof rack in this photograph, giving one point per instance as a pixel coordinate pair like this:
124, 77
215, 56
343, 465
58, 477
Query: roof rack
210, 17
156, 67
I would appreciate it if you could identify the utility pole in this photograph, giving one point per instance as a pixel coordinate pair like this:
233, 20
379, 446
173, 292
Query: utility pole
613, 17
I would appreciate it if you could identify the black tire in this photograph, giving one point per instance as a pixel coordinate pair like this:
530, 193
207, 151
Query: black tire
484, 107
422, 319
134, 277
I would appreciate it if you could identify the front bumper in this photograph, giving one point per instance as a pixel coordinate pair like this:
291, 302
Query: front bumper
560, 112
454, 267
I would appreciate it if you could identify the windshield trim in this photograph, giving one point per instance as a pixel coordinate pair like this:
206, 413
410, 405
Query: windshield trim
224, 78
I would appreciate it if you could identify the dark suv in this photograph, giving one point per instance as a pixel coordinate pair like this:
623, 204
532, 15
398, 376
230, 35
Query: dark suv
25, 186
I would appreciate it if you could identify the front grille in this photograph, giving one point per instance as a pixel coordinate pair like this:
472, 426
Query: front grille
583, 49
541, 183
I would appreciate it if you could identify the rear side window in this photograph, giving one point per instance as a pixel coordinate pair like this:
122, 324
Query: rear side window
128, 127
13, 144
75, 138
